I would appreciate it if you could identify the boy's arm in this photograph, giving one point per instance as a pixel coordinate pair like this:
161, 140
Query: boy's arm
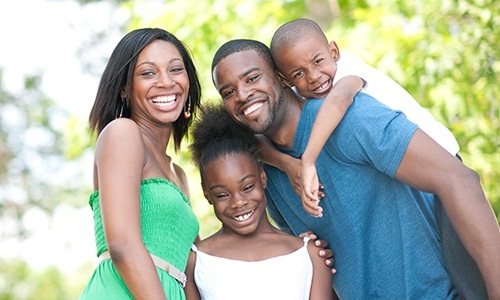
329, 116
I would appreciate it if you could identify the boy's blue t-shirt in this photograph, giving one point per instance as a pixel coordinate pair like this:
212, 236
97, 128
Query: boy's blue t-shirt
383, 233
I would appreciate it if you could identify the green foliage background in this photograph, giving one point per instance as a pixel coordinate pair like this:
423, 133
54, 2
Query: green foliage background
443, 52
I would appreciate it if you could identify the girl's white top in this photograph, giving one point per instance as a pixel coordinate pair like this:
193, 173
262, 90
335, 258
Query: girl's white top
283, 277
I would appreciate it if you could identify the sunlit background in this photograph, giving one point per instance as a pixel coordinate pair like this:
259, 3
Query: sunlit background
444, 52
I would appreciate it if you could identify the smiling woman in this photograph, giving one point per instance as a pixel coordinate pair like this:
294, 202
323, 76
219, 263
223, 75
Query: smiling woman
144, 224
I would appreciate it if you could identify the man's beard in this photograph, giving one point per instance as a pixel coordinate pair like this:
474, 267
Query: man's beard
270, 117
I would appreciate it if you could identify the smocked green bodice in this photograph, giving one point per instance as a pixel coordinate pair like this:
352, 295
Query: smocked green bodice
168, 224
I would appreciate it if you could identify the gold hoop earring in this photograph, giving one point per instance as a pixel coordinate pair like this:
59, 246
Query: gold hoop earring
187, 111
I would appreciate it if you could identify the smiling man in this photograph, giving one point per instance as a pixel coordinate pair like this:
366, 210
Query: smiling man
375, 167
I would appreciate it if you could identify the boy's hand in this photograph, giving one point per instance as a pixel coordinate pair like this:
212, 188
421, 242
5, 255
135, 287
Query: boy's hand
323, 252
292, 170
311, 189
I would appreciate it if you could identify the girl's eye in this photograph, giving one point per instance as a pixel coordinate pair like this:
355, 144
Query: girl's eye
220, 195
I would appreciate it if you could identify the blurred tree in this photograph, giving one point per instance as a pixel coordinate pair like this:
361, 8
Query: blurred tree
443, 52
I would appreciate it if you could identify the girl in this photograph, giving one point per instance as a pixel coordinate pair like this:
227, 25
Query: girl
248, 258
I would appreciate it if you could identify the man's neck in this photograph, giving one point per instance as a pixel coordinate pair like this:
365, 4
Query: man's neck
286, 121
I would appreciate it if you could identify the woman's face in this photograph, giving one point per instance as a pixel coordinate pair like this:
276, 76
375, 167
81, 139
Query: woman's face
160, 84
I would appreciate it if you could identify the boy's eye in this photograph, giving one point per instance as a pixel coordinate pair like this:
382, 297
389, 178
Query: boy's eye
318, 61
298, 74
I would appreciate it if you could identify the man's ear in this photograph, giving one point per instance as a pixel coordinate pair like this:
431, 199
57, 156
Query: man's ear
334, 50
284, 82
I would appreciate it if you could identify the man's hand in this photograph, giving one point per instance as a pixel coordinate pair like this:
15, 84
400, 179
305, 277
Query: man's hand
323, 252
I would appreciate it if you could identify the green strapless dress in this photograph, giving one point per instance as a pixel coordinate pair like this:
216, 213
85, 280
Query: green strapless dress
168, 227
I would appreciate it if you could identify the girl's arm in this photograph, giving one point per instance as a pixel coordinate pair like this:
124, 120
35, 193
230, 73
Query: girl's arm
190, 288
329, 116
119, 175
321, 287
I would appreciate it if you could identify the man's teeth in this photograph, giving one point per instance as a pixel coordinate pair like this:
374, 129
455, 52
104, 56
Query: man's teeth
252, 108
164, 99
243, 217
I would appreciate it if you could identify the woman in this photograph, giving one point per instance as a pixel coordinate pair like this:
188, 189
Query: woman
144, 224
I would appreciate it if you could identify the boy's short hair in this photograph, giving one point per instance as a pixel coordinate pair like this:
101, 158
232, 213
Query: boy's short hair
292, 32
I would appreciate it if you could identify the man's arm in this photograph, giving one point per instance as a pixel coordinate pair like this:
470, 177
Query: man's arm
428, 167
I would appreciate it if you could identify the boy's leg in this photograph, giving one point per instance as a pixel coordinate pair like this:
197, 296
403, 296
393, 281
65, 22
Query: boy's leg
462, 268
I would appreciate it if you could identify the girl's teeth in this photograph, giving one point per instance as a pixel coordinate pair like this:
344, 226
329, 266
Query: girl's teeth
243, 217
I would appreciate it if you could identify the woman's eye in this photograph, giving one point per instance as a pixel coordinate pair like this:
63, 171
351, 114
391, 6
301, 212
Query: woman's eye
177, 69
148, 73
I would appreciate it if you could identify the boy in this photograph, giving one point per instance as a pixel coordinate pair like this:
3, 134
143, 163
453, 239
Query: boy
309, 63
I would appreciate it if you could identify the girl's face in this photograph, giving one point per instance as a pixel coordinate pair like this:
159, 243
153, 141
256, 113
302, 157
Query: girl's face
160, 84
234, 184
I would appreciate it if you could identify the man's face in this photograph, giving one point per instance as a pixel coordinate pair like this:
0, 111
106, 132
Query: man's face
250, 89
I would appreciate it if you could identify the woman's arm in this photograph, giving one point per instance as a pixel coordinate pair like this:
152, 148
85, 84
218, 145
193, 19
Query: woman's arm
190, 288
119, 159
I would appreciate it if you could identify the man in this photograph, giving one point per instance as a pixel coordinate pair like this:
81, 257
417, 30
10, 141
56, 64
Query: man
374, 167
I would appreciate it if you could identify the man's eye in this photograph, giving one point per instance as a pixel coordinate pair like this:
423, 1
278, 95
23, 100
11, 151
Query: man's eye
228, 93
249, 187
253, 78
319, 60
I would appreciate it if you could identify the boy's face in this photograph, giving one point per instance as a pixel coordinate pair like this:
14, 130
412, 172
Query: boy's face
250, 89
310, 66
234, 184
